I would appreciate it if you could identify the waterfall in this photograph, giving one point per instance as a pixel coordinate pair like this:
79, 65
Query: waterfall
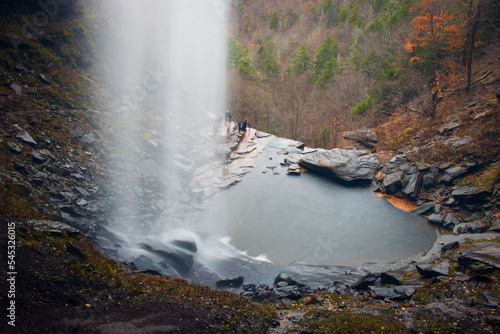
164, 70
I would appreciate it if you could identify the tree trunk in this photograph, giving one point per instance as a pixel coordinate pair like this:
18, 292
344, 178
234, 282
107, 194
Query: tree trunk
471, 34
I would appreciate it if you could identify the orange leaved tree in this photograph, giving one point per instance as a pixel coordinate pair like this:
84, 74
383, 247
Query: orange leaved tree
437, 36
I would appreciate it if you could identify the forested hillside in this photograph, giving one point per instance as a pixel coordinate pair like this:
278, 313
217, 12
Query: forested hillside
311, 69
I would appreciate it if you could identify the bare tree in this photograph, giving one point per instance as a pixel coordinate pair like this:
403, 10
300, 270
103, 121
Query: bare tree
473, 15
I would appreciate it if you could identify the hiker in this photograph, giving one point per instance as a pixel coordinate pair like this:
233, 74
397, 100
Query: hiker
248, 124
244, 126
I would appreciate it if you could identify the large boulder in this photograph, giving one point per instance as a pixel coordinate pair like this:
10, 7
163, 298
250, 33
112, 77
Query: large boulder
470, 194
351, 166
429, 270
481, 256
231, 282
448, 128
364, 282
452, 173
364, 135
393, 182
413, 185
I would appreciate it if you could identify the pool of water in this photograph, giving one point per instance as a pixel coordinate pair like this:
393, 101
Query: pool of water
288, 218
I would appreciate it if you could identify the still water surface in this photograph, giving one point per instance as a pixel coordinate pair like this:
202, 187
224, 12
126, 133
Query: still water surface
308, 217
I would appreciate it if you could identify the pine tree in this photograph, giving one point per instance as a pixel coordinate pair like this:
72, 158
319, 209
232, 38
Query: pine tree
266, 60
301, 60
327, 4
325, 61
273, 20
234, 54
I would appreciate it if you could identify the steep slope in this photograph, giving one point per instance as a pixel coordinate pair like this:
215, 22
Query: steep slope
311, 70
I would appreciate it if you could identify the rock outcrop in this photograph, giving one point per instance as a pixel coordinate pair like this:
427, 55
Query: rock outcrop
350, 166
364, 137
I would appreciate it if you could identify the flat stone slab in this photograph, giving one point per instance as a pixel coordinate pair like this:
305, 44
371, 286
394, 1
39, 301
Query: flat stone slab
487, 252
246, 148
25, 137
424, 208
444, 241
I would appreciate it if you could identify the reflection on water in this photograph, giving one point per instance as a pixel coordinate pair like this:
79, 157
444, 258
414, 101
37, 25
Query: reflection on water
307, 217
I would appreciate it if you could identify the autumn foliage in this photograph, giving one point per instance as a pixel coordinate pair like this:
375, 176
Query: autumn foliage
311, 69
437, 36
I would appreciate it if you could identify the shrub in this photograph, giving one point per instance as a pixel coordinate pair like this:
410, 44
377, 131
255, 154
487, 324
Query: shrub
360, 107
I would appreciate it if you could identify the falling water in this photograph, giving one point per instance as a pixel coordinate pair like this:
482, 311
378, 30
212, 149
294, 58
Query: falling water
165, 74
165, 66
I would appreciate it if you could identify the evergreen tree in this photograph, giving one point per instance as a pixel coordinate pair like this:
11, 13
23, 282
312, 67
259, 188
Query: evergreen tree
301, 60
245, 65
371, 63
273, 20
239, 59
327, 4
325, 61
234, 54
267, 62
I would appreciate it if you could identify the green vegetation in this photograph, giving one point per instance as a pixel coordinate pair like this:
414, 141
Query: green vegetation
352, 74
402, 138
324, 136
235, 52
325, 62
301, 60
327, 4
62, 53
360, 107
291, 19
273, 20
16, 203
486, 179
239, 59
266, 60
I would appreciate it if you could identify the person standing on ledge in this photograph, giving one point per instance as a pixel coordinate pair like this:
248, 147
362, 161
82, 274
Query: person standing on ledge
244, 126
